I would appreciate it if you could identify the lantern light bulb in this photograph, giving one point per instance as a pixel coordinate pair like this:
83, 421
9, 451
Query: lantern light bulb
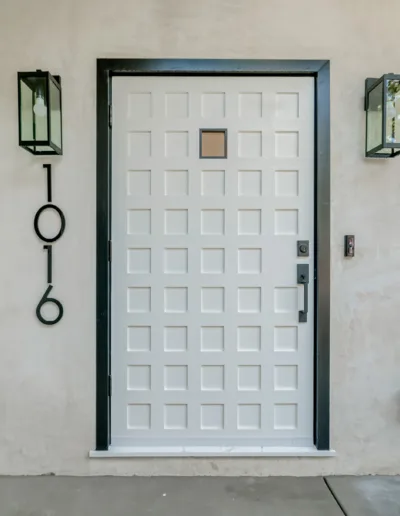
40, 108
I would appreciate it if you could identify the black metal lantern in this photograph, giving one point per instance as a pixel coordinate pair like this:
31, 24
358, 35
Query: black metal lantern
382, 104
40, 116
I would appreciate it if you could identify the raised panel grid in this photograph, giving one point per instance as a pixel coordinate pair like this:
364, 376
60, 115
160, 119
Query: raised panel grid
205, 334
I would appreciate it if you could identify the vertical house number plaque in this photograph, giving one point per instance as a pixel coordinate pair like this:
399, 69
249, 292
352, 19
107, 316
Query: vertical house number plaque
49, 248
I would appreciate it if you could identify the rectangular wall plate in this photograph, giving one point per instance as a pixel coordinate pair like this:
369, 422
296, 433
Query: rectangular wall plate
349, 246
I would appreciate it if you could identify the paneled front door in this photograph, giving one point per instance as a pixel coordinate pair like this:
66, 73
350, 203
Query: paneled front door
212, 327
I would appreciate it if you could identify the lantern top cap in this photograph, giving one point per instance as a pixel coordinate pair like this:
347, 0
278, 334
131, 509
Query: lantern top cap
371, 83
40, 74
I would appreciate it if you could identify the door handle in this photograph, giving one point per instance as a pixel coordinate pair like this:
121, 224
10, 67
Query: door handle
303, 278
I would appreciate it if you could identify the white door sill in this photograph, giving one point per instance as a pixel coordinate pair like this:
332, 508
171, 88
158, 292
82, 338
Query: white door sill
210, 451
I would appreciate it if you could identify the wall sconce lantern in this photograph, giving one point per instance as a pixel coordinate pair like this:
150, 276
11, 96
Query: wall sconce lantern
40, 117
382, 104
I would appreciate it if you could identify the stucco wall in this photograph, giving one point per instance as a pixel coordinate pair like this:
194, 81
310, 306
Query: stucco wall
47, 374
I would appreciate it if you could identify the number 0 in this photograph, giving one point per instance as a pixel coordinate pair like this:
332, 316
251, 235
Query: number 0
36, 222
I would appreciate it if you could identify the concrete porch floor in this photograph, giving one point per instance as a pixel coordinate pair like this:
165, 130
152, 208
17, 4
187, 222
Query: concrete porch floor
201, 496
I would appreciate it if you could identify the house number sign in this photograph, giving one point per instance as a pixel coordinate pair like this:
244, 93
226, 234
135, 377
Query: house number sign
49, 248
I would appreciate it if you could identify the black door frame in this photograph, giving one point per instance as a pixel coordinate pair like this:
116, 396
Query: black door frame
320, 70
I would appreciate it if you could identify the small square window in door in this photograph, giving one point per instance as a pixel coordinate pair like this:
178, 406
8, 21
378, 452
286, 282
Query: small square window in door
213, 143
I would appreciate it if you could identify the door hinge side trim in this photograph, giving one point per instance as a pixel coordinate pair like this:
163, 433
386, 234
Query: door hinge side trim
109, 250
109, 385
110, 113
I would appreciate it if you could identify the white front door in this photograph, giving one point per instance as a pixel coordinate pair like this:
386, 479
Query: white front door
207, 347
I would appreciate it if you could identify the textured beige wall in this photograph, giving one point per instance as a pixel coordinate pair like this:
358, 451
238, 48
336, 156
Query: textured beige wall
47, 375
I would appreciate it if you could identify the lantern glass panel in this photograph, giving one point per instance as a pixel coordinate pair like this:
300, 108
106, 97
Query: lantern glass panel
27, 101
393, 111
55, 114
40, 104
375, 117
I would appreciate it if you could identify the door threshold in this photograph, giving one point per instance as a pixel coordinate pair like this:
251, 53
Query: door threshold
210, 451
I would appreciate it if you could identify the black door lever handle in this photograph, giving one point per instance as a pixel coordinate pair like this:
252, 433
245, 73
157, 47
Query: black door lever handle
303, 278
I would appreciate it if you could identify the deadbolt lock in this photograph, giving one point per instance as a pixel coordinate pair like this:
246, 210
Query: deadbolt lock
303, 248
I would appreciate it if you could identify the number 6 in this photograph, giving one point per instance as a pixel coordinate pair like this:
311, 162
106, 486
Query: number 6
45, 299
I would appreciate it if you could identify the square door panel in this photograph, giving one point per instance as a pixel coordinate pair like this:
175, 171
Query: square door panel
212, 261
175, 416
175, 299
250, 183
139, 261
140, 105
249, 299
249, 222
175, 261
139, 338
176, 144
175, 338
212, 299
176, 183
287, 105
287, 144
212, 378
176, 222
250, 144
249, 338
177, 105
249, 261
286, 299
176, 377
139, 378
285, 416
139, 182
250, 105
212, 417
139, 300
139, 144
286, 183
139, 222
212, 338
213, 182
213, 222
285, 337
249, 416
139, 416
213, 105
